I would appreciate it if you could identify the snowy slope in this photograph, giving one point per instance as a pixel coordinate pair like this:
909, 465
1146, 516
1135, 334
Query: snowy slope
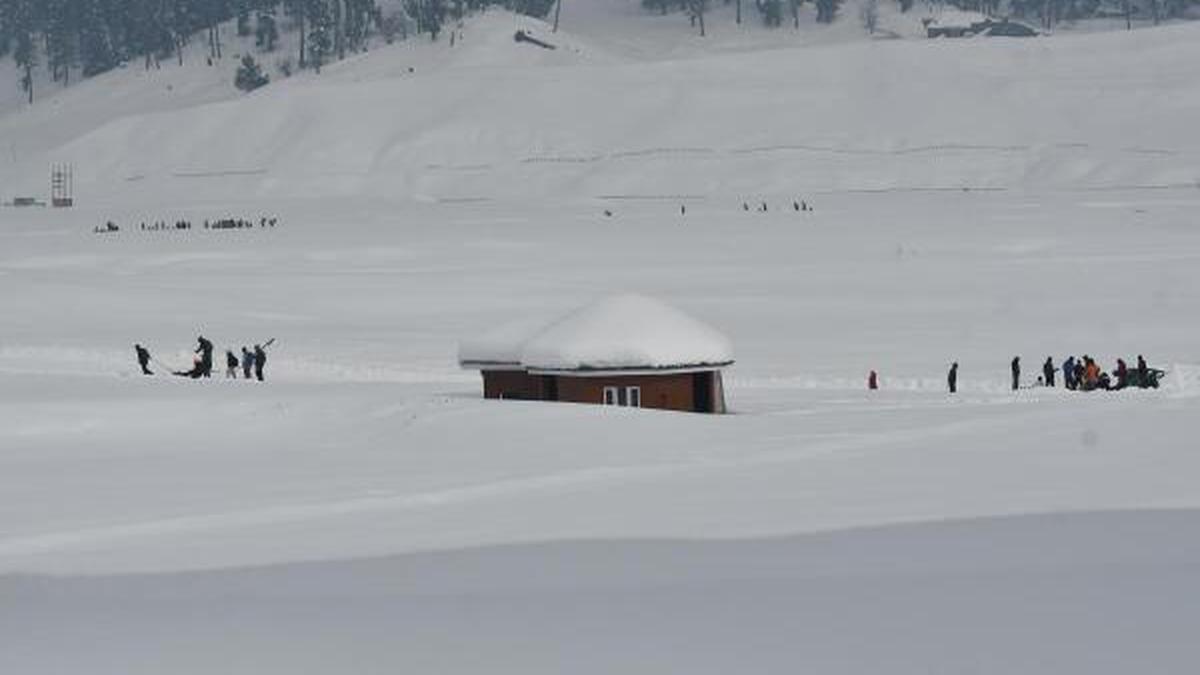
1032, 114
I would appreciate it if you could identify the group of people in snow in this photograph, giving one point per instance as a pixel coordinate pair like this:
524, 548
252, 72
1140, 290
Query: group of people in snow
252, 362
183, 224
798, 205
1078, 374
1085, 374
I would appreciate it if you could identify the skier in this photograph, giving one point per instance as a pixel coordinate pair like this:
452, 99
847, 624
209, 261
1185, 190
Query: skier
683, 209
143, 357
745, 206
247, 362
952, 378
1143, 373
795, 205
205, 349
1068, 370
231, 365
260, 360
873, 381
1048, 370
1016, 372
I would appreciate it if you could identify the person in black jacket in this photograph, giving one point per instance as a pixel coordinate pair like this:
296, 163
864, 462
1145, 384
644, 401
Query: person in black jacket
205, 350
143, 357
1016, 373
260, 361
1048, 371
247, 363
952, 378
231, 364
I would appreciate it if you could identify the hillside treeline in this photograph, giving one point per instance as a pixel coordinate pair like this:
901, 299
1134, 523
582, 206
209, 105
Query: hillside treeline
81, 38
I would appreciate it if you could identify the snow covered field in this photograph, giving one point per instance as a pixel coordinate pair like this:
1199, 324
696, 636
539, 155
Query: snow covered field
366, 511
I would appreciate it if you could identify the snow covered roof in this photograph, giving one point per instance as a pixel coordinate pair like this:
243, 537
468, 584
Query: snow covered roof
500, 347
625, 332
951, 17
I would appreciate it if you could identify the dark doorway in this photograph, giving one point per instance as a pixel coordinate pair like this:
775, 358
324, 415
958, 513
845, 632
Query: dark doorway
549, 388
702, 392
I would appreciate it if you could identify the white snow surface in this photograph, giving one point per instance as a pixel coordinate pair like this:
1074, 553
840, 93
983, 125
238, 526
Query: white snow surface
364, 510
627, 331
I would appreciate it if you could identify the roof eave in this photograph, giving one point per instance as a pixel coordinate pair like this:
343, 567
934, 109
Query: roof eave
591, 371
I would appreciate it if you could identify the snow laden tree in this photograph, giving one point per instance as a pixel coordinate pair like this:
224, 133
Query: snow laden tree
827, 10
429, 15
266, 31
696, 10
249, 75
772, 12
795, 7
868, 12
320, 34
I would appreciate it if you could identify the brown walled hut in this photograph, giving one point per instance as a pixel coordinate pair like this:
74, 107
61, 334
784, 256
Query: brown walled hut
627, 350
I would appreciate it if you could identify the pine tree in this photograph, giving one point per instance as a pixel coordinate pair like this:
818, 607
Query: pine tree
266, 32
827, 10
320, 34
772, 12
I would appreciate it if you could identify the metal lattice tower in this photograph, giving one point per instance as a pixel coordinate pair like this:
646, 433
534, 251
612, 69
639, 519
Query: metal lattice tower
62, 185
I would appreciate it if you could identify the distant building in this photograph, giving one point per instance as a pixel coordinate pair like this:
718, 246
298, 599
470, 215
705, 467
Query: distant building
625, 351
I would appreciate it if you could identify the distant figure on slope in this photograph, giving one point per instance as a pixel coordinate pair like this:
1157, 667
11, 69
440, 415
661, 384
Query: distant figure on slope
143, 357
804, 206
952, 378
1048, 371
231, 365
260, 361
763, 207
683, 209
873, 381
205, 349
247, 363
745, 206
1143, 372
796, 205
1016, 373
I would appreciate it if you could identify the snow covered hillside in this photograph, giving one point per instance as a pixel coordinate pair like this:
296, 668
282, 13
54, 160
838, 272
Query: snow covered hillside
1080, 112
365, 510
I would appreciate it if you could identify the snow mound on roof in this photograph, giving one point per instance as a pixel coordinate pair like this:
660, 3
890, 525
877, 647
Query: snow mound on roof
951, 17
623, 332
501, 345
